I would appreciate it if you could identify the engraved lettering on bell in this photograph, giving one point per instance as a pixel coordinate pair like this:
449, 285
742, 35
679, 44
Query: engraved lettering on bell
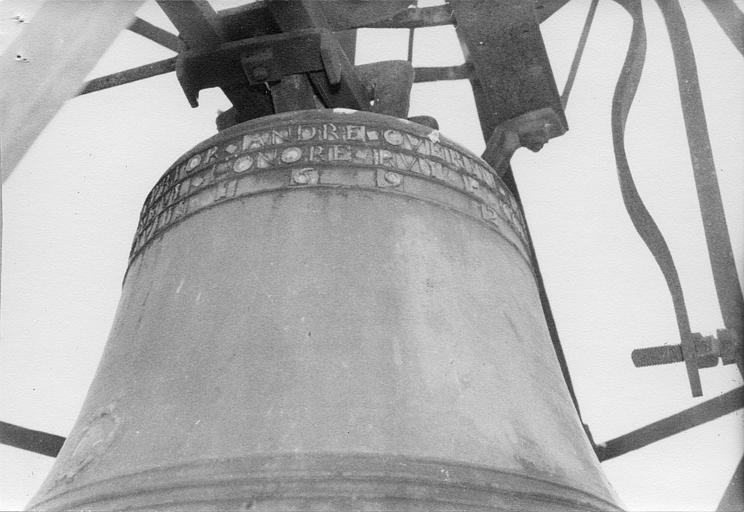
393, 178
388, 179
355, 132
194, 161
305, 148
243, 163
306, 176
393, 137
291, 155
306, 132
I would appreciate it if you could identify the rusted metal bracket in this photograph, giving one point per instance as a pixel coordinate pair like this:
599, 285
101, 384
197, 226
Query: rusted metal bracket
514, 89
201, 29
339, 85
531, 130
390, 82
259, 60
503, 42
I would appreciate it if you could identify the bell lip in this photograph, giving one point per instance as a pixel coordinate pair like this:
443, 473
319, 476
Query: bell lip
347, 475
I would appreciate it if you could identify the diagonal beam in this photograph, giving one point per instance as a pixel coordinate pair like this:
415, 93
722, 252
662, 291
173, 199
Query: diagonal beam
730, 19
154, 34
48, 73
196, 21
30, 440
733, 498
130, 75
684, 420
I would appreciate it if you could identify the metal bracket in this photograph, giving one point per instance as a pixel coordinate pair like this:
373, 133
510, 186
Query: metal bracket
254, 61
531, 130
502, 40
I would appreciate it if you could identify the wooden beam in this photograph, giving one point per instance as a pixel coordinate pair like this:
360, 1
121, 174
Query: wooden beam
47, 63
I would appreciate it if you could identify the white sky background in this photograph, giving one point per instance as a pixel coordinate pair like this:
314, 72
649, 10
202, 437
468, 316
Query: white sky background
71, 208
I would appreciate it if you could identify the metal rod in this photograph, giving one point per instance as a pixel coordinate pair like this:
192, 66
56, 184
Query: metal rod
130, 75
684, 420
154, 33
30, 440
463, 72
579, 52
410, 44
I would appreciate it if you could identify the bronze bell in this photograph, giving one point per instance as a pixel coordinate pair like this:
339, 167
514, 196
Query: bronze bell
328, 311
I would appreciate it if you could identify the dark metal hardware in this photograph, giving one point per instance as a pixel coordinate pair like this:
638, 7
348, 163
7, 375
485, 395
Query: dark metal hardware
727, 346
257, 60
684, 420
30, 440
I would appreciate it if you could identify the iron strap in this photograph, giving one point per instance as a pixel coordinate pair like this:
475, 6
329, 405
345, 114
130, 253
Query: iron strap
645, 225
730, 19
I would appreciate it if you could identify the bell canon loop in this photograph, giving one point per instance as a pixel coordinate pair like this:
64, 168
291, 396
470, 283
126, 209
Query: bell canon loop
328, 311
